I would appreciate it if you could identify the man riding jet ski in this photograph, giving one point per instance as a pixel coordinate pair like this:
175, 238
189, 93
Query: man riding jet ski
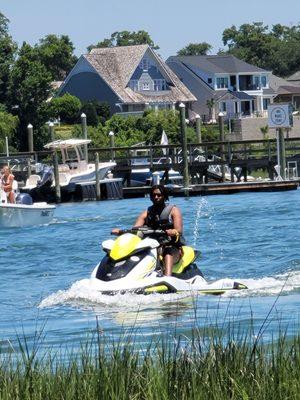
167, 218
134, 262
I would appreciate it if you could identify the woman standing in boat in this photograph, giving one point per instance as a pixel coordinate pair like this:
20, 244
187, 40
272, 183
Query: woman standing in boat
7, 180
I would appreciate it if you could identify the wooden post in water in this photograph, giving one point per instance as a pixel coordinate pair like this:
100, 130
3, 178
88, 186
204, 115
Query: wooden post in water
30, 145
84, 132
198, 128
98, 191
55, 163
112, 144
222, 150
184, 150
282, 159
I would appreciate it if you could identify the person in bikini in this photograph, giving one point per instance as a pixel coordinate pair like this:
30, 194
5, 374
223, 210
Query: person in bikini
7, 180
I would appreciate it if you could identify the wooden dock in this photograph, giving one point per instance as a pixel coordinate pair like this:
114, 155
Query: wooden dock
216, 188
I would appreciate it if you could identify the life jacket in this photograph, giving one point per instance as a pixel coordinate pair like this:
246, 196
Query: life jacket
162, 220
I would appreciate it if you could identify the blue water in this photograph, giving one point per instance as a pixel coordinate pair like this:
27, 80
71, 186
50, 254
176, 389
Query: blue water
251, 237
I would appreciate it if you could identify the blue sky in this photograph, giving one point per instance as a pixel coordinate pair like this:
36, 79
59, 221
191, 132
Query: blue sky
171, 24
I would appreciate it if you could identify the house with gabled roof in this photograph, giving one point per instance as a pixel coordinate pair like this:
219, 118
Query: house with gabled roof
233, 86
130, 78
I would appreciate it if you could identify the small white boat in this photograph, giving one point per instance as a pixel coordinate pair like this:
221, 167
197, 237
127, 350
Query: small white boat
24, 213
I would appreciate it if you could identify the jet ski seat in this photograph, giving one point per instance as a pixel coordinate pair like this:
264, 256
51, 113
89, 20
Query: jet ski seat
187, 258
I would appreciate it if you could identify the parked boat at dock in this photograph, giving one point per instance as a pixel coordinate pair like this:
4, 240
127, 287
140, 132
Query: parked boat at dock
72, 170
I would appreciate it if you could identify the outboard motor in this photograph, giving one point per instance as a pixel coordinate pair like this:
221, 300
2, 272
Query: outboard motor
47, 177
24, 198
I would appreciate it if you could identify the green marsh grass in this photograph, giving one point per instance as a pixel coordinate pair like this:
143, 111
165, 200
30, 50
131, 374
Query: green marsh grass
208, 364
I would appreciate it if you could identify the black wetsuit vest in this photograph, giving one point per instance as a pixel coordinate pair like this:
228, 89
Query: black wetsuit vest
160, 219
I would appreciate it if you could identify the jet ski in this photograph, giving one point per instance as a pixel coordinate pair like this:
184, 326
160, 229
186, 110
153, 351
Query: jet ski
132, 264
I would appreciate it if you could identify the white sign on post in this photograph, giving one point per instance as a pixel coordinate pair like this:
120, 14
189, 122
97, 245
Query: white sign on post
280, 116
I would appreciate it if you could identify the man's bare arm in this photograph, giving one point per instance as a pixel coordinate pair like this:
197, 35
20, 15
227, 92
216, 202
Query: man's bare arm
177, 222
141, 219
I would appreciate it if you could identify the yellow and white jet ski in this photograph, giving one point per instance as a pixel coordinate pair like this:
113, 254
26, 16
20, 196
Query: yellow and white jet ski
132, 264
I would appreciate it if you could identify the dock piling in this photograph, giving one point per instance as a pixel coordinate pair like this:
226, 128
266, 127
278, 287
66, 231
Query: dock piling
221, 130
30, 146
98, 190
198, 128
84, 132
184, 149
55, 163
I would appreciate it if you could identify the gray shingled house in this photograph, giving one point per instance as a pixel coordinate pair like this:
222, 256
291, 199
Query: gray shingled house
130, 79
224, 83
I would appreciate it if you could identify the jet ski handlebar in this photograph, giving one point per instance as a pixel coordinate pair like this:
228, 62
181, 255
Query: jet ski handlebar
145, 231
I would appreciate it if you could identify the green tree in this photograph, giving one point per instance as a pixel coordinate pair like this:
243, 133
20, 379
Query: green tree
67, 107
126, 38
195, 49
56, 53
8, 126
276, 49
29, 88
7, 53
96, 112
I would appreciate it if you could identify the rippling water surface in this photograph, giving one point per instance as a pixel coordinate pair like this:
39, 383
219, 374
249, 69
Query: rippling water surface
253, 237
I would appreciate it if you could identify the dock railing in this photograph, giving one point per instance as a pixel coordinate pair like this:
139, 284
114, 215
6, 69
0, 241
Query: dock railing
239, 157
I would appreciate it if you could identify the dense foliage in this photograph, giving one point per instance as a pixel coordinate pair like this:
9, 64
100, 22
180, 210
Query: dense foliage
8, 126
276, 49
126, 38
195, 49
56, 54
7, 53
66, 108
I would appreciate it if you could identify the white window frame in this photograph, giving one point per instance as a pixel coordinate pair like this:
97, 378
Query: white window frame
223, 84
261, 81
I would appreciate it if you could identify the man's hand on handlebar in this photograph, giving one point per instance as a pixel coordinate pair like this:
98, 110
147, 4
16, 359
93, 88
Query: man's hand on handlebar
172, 232
116, 231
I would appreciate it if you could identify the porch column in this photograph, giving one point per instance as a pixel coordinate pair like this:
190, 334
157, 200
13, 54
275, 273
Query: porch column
237, 83
261, 104
251, 108
238, 106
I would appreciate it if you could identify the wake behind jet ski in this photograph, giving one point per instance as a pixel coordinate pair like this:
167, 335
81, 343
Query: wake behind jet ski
132, 264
